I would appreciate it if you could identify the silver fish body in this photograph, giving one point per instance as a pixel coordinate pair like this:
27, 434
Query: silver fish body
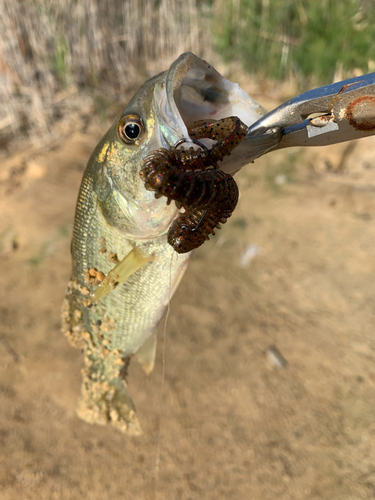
124, 271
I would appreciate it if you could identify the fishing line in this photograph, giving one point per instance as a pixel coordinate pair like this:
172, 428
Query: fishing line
157, 458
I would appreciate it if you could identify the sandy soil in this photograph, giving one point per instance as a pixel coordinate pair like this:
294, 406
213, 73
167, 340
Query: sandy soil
236, 422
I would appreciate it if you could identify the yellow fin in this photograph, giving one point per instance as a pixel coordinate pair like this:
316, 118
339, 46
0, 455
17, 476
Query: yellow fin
133, 261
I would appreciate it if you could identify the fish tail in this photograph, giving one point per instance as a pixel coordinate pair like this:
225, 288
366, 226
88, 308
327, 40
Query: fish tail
104, 395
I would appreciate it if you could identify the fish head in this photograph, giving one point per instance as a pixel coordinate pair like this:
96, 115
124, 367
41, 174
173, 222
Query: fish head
158, 116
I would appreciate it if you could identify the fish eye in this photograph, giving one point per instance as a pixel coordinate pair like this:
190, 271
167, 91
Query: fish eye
130, 129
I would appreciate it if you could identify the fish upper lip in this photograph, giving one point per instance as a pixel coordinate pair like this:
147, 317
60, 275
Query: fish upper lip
193, 90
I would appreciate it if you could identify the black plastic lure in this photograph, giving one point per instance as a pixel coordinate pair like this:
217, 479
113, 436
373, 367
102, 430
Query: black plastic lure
191, 178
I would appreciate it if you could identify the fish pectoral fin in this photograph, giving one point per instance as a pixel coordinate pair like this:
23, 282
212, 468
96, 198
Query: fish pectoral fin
146, 354
133, 261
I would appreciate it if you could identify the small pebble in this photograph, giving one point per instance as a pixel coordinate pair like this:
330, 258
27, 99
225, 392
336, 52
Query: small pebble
275, 357
281, 179
250, 252
35, 170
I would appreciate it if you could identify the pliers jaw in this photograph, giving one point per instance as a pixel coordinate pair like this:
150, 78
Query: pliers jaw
327, 115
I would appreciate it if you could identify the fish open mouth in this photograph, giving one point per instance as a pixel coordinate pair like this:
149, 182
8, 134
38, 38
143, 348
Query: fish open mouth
196, 91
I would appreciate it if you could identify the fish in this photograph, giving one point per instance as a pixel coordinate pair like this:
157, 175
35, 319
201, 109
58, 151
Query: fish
124, 271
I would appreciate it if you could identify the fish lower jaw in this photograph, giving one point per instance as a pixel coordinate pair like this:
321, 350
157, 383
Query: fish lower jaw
139, 219
148, 225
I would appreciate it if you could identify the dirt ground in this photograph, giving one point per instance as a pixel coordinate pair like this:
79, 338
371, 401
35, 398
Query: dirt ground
292, 271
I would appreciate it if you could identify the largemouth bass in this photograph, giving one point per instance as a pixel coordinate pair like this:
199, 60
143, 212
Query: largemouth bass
124, 270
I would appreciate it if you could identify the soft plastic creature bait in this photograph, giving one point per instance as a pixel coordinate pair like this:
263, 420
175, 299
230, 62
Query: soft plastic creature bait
191, 178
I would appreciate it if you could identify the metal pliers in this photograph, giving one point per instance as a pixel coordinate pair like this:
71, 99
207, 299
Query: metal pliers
326, 115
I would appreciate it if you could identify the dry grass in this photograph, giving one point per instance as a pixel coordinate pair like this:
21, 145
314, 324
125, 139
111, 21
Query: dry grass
68, 58
60, 55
